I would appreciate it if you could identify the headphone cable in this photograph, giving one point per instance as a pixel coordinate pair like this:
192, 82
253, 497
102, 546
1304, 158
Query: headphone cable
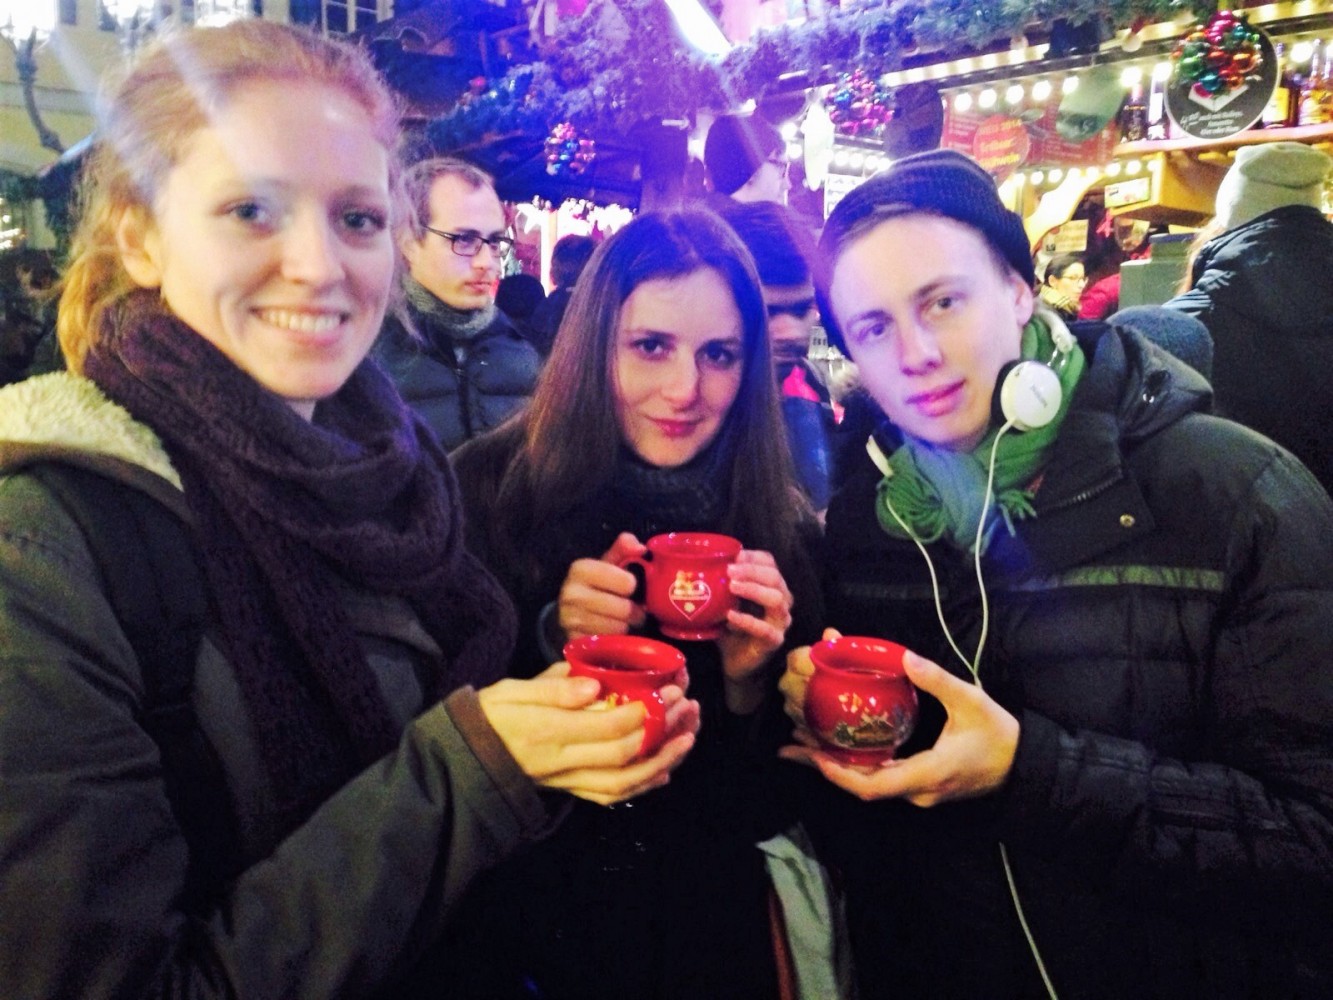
973, 666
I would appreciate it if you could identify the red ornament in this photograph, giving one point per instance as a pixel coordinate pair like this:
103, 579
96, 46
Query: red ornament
1220, 57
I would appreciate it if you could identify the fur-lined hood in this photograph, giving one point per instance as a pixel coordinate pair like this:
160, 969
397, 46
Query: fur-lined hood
68, 415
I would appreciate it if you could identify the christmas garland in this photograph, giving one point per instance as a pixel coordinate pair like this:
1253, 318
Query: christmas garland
623, 62
17, 188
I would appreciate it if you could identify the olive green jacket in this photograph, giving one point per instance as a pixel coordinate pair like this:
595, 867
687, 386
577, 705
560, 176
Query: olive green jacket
92, 859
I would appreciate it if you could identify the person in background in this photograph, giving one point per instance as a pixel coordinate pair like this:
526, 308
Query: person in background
26, 312
657, 411
456, 358
746, 160
1121, 643
569, 257
1172, 330
1062, 284
1259, 283
1128, 240
783, 254
361, 759
519, 296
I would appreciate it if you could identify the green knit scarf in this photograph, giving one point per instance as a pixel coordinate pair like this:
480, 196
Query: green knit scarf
940, 493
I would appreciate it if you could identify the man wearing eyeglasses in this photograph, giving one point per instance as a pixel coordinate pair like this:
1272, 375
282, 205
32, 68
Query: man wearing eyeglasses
464, 367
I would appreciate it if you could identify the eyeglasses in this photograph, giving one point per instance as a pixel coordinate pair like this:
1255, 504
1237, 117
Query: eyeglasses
469, 244
782, 163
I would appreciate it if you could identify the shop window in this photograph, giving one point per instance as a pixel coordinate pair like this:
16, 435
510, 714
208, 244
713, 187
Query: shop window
346, 16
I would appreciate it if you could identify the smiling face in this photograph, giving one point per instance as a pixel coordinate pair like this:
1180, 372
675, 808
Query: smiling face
456, 206
676, 364
270, 237
930, 316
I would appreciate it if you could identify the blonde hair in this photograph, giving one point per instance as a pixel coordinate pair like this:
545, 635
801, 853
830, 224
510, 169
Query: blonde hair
421, 177
147, 120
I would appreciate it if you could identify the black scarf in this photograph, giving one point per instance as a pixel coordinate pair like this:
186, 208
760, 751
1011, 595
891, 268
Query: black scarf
283, 507
692, 496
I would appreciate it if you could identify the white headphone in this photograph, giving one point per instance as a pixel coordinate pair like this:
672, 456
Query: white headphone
1028, 393
1027, 396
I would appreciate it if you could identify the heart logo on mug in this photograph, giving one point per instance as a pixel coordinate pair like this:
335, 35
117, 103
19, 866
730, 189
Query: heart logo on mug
688, 595
684, 583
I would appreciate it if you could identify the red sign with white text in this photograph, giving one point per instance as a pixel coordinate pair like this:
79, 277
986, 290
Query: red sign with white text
963, 131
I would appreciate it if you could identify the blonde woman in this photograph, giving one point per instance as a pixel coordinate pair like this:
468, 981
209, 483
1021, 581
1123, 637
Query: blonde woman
233, 266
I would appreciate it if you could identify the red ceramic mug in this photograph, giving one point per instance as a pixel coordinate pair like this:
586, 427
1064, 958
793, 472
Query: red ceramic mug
629, 668
859, 702
686, 587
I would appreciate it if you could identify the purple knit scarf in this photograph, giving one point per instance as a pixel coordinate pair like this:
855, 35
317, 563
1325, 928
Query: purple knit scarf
283, 507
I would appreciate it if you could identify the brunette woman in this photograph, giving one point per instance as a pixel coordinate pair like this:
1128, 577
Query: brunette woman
1063, 285
657, 412
231, 270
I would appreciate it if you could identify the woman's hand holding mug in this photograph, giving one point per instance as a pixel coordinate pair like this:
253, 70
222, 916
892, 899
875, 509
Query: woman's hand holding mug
597, 595
751, 640
592, 755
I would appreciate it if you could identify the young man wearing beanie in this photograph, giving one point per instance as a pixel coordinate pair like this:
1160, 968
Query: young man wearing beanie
1126, 693
1260, 283
746, 159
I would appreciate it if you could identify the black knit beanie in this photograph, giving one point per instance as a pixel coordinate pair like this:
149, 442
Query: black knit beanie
736, 147
942, 181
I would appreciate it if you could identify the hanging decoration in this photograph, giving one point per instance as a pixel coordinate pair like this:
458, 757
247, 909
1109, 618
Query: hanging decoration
567, 152
597, 72
858, 105
1220, 57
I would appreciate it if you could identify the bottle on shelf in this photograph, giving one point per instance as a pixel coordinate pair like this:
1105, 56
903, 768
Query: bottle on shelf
1284, 106
1134, 115
1158, 121
1316, 102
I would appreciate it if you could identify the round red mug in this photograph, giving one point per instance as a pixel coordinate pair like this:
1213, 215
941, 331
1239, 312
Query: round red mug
859, 702
686, 587
629, 668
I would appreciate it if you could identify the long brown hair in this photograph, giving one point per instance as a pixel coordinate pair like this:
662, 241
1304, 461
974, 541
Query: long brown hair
571, 435
148, 120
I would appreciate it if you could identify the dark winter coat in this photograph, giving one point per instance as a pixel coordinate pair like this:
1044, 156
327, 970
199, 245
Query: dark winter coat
1264, 292
93, 860
664, 897
461, 388
1161, 631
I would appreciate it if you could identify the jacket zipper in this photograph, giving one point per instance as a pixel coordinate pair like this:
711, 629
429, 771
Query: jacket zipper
1084, 495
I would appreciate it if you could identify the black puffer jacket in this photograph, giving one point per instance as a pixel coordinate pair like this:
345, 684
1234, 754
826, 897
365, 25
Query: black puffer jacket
1263, 291
460, 387
1161, 630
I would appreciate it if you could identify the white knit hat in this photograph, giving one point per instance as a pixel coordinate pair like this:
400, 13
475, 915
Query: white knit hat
1270, 176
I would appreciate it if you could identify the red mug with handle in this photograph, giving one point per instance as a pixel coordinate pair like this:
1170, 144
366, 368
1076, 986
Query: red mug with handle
686, 587
629, 668
859, 703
